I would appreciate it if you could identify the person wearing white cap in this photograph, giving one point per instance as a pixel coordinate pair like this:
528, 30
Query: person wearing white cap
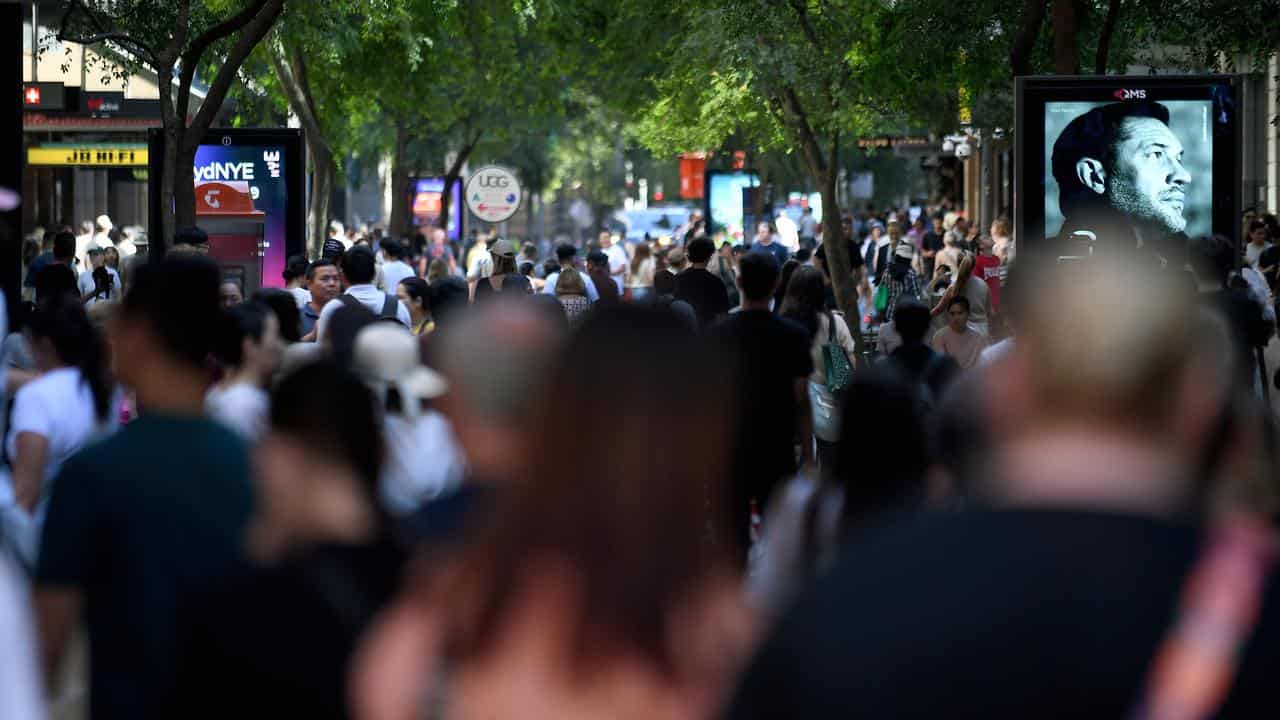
423, 460
902, 279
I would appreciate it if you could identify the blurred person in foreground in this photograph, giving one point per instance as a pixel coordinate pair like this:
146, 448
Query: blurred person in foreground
422, 460
493, 356
1078, 579
569, 603
276, 640
158, 511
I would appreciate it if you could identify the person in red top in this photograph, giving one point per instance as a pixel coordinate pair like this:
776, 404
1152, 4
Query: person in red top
987, 268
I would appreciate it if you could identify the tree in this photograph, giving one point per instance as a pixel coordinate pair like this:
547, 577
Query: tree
172, 37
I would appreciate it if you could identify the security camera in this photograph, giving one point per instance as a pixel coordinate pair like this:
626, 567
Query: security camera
964, 150
948, 146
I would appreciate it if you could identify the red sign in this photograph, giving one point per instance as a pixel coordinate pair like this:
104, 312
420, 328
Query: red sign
43, 96
32, 97
693, 167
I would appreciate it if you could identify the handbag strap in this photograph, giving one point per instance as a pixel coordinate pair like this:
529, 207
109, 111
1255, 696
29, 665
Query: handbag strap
1195, 666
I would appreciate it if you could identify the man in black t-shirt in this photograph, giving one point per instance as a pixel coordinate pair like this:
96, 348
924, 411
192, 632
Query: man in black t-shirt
144, 518
930, 244
772, 367
698, 287
1063, 589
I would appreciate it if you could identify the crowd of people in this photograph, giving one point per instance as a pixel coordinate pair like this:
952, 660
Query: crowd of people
672, 480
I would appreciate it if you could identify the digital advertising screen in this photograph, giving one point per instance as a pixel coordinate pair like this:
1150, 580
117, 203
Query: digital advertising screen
426, 202
250, 199
1126, 161
725, 205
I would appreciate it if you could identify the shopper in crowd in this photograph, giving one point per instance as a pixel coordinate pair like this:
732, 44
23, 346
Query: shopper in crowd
68, 405
567, 256
503, 279
231, 291
571, 292
765, 241
923, 367
295, 279
567, 604
250, 353
394, 264
358, 271
974, 290
323, 285
280, 637
805, 304
705, 292
598, 271
771, 365
99, 283
59, 276
415, 293
640, 273
282, 304
137, 523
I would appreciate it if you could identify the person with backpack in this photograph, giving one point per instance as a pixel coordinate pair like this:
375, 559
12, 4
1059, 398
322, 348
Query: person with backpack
359, 268
923, 367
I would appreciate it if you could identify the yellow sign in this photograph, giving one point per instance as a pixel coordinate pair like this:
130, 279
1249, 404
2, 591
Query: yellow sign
92, 156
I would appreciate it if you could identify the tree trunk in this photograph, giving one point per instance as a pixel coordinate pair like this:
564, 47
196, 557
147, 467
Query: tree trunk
1025, 41
168, 182
839, 264
1104, 40
1066, 51
400, 182
322, 175
452, 175
184, 176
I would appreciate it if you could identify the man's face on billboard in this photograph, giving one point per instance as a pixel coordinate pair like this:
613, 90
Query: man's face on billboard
1148, 181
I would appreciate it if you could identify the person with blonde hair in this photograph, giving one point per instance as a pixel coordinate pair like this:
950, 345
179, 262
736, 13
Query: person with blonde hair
640, 273
1002, 240
571, 292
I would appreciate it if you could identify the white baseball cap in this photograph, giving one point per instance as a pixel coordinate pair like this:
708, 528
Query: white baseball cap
386, 356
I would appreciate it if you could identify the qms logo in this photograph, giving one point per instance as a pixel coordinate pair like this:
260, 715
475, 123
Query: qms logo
1124, 94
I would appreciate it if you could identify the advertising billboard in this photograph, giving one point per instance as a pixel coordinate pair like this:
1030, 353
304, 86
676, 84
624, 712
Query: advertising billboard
726, 206
426, 202
1125, 162
261, 172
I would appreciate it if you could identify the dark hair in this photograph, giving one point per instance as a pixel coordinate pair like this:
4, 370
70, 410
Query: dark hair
244, 321
883, 455
55, 279
526, 269
961, 301
664, 282
285, 306
597, 258
64, 245
802, 255
1094, 134
758, 274
179, 298
322, 262
784, 279
344, 325
566, 253
191, 236
62, 320
418, 289
629, 580
1257, 225
294, 268
805, 299
393, 248
911, 319
1211, 257
700, 249
333, 413
359, 266
448, 295
46, 242
550, 266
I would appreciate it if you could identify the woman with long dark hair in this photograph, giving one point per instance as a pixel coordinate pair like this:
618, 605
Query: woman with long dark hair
60, 411
805, 303
566, 602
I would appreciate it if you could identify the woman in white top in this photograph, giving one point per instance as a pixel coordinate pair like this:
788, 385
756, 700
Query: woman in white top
640, 273
251, 352
806, 304
56, 414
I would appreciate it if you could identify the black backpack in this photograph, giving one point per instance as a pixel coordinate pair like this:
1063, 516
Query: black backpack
390, 306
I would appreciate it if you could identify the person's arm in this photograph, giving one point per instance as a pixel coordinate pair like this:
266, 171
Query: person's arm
845, 337
804, 419
28, 468
592, 293
57, 613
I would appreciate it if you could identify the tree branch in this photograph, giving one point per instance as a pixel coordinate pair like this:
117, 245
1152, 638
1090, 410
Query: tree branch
191, 56
1033, 12
1104, 40
298, 98
252, 33
101, 33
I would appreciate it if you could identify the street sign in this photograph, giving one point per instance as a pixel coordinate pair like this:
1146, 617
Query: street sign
90, 155
493, 193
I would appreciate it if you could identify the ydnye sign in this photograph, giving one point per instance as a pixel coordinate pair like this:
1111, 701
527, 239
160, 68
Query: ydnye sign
493, 193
